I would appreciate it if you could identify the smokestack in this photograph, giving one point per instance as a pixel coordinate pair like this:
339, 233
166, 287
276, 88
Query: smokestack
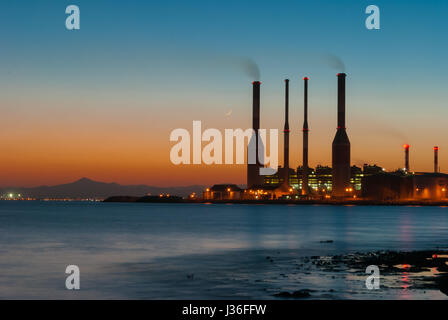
305, 189
341, 147
341, 100
436, 159
256, 105
253, 169
286, 136
406, 157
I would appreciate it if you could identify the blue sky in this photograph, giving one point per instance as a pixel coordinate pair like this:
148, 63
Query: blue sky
172, 62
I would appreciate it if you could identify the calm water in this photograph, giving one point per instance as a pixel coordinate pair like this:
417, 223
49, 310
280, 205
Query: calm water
166, 251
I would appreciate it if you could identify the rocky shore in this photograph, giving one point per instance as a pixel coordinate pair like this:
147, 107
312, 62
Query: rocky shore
417, 270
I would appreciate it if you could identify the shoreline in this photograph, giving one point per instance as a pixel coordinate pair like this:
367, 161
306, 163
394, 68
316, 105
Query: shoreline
399, 271
350, 202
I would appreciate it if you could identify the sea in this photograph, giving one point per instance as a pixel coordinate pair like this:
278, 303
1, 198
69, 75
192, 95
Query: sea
204, 251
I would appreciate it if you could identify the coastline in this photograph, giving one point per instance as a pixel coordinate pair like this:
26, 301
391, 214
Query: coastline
330, 202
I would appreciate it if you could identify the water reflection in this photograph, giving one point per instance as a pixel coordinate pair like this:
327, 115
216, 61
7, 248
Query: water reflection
40, 239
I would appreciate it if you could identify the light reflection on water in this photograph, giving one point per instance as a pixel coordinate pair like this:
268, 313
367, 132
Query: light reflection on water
107, 240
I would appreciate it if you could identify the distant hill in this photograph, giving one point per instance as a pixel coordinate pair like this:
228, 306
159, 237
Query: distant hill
86, 188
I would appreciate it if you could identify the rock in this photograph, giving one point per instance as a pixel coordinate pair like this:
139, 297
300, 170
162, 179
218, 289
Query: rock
442, 283
283, 294
301, 293
304, 293
442, 268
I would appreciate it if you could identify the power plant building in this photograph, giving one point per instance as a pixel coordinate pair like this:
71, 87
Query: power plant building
339, 181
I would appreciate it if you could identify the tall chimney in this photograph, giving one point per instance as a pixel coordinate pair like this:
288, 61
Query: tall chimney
286, 136
256, 106
436, 159
305, 188
341, 147
341, 100
406, 157
253, 169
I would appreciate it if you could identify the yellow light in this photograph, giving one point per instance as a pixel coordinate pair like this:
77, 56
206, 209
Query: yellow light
11, 195
443, 189
290, 190
207, 189
228, 189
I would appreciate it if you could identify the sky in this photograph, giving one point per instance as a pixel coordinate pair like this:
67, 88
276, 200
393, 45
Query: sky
101, 102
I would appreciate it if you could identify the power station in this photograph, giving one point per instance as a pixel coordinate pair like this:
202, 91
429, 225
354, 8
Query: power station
340, 148
341, 181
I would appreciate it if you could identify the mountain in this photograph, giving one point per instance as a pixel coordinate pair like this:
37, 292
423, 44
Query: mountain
86, 188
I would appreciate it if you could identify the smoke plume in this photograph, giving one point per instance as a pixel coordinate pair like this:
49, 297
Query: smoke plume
249, 67
334, 62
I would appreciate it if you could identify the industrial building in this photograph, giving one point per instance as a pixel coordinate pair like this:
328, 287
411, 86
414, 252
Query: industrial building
406, 185
223, 192
319, 179
339, 181
429, 186
342, 180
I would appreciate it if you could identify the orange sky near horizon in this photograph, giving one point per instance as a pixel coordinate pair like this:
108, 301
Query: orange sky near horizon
100, 102
60, 142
